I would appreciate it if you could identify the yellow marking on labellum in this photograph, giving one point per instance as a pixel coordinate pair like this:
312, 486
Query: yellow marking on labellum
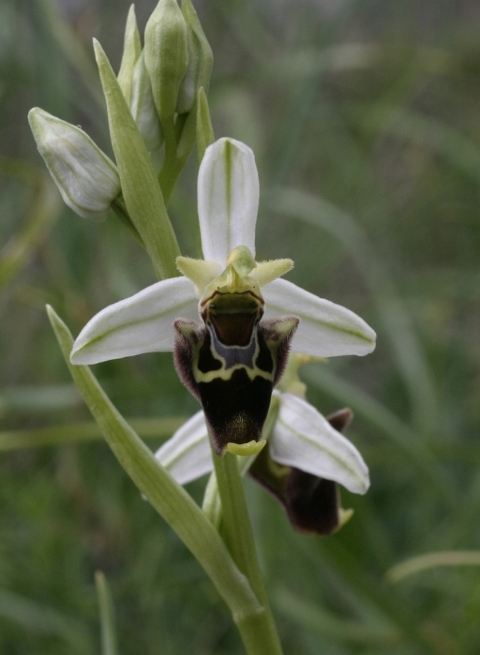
245, 449
222, 374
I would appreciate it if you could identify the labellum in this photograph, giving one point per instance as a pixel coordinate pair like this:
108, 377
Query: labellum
232, 362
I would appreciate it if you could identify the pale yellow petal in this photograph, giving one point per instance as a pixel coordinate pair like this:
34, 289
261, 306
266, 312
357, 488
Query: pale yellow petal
198, 271
266, 272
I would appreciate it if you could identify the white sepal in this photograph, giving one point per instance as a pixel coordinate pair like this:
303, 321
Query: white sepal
304, 439
139, 324
187, 455
87, 179
228, 194
325, 329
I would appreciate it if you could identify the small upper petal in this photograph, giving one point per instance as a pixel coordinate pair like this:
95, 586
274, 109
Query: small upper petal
187, 455
302, 438
266, 272
198, 271
325, 329
139, 324
228, 194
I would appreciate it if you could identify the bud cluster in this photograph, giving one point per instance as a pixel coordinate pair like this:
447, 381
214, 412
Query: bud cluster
160, 84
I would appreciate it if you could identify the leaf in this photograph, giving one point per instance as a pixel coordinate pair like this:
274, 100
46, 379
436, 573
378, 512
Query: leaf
169, 499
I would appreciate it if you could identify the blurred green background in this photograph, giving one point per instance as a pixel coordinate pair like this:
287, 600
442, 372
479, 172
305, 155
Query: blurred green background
365, 119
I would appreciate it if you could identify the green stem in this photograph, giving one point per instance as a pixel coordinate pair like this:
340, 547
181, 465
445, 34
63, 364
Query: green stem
120, 210
258, 632
168, 177
169, 172
107, 616
179, 141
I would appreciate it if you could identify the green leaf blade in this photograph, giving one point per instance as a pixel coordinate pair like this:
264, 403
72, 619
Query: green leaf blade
170, 500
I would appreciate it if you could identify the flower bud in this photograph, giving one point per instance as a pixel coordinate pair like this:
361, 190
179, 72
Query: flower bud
143, 107
131, 52
166, 55
199, 64
87, 179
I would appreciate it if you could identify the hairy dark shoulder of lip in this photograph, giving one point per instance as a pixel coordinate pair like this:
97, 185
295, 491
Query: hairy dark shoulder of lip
264, 359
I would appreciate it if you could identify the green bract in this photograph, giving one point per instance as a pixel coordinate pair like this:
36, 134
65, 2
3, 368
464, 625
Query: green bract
140, 188
170, 500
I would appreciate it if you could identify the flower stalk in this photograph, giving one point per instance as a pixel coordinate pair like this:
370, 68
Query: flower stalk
261, 635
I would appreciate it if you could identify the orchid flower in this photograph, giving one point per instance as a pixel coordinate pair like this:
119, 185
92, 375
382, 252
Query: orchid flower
250, 318
304, 461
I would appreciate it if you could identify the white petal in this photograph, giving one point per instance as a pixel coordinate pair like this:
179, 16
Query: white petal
325, 329
304, 439
139, 324
187, 455
228, 192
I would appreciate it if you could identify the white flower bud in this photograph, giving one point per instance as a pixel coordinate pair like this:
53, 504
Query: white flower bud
87, 179
143, 107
